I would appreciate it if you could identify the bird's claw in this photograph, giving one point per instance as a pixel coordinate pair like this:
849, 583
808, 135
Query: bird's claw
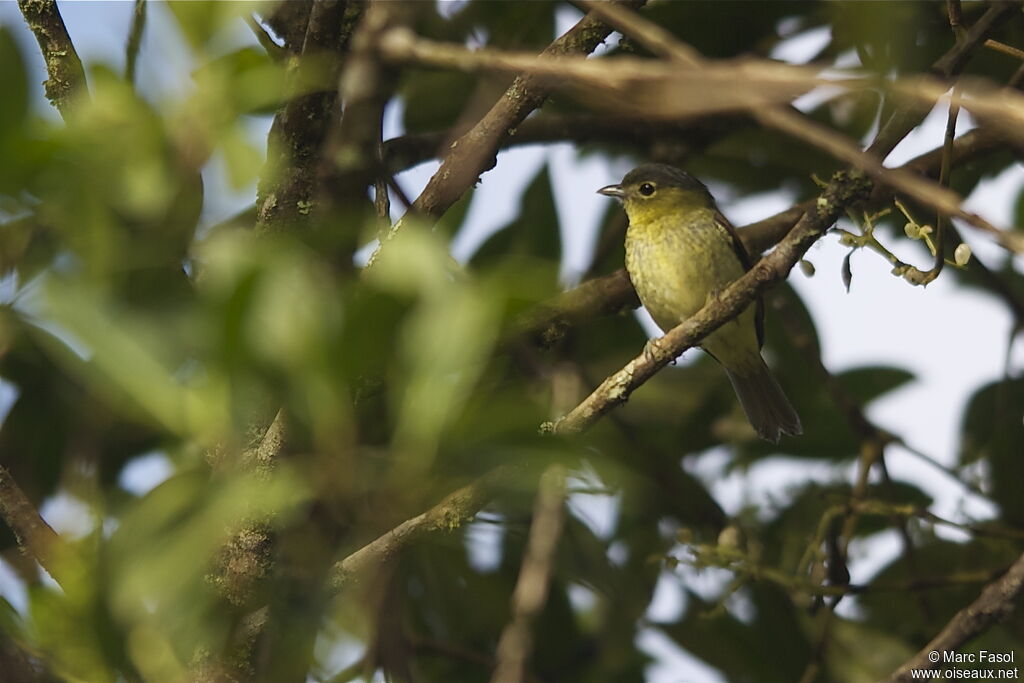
653, 348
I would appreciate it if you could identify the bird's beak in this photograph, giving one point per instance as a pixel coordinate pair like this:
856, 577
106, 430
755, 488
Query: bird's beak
612, 191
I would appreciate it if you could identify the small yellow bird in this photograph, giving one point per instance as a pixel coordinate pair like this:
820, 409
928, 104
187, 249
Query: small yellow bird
681, 252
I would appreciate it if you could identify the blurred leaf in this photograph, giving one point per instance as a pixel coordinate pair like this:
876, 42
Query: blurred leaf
511, 24
726, 29
739, 648
167, 541
880, 33
434, 99
444, 343
201, 22
899, 612
130, 363
532, 236
248, 81
14, 107
864, 654
993, 431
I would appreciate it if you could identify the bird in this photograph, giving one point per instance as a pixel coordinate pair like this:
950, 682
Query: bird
682, 252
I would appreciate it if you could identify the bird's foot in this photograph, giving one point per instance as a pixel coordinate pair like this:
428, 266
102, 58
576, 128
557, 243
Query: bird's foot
654, 348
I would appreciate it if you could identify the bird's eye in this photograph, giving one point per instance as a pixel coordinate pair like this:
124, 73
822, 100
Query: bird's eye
646, 189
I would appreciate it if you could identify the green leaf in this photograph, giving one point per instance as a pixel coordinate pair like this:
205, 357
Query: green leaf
725, 29
434, 99
202, 22
532, 237
993, 431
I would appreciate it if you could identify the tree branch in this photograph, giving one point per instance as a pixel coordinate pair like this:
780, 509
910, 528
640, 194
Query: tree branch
610, 294
288, 188
64, 68
996, 602
476, 151
36, 538
135, 32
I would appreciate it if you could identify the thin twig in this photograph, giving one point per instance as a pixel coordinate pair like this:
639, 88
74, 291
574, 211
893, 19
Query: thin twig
1004, 48
941, 219
131, 51
905, 119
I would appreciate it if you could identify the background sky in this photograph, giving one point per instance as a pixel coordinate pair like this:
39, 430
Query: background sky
953, 339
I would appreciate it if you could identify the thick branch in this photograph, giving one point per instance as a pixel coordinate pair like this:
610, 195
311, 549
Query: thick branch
35, 537
288, 187
64, 68
997, 601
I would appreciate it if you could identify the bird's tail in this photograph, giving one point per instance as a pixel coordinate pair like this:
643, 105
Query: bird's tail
766, 406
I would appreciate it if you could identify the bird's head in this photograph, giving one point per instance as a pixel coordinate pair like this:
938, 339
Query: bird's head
656, 190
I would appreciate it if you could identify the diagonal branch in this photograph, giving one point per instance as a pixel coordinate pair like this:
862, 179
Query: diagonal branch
476, 151
996, 602
64, 68
797, 125
609, 294
35, 537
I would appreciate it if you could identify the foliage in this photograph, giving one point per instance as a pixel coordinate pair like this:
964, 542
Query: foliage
305, 407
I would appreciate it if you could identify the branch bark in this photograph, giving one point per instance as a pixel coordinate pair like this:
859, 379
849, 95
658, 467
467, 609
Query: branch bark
36, 538
64, 68
289, 185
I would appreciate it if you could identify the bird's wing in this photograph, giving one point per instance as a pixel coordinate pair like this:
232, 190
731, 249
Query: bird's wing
745, 261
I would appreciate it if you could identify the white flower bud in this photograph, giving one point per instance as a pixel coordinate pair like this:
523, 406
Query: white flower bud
962, 254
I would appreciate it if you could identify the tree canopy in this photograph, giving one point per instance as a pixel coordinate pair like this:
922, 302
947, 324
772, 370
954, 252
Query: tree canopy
306, 443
